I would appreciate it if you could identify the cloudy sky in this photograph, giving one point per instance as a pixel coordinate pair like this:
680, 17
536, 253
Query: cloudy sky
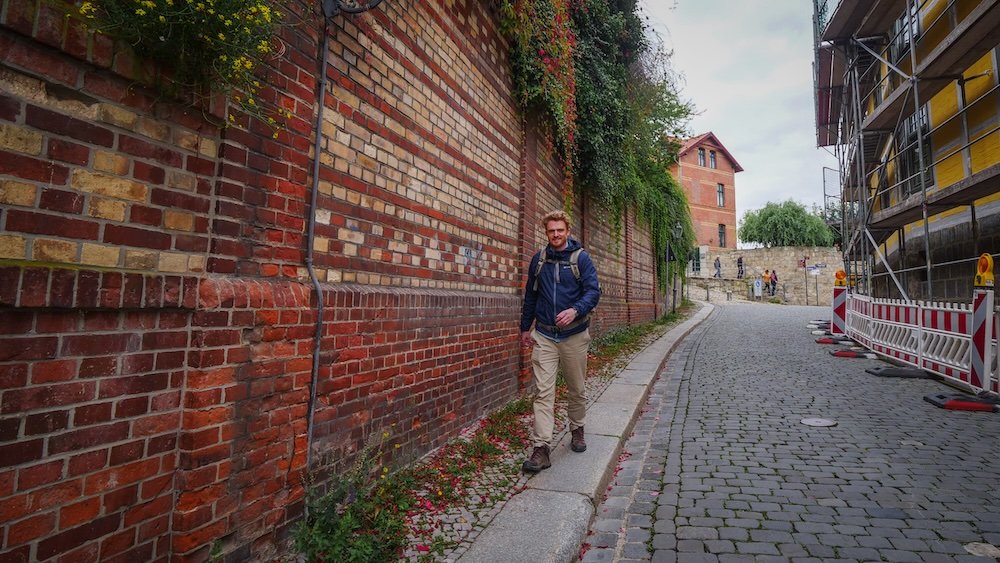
747, 66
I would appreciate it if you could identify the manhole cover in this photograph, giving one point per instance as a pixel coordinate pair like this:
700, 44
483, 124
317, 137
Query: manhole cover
818, 422
983, 550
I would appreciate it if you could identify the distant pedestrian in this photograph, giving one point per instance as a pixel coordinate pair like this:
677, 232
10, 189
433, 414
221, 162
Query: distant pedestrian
718, 267
766, 280
774, 281
739, 268
561, 291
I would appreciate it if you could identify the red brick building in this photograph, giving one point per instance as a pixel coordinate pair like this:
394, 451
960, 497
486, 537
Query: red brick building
707, 173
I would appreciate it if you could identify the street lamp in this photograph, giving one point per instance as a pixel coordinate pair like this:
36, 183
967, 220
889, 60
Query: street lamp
678, 231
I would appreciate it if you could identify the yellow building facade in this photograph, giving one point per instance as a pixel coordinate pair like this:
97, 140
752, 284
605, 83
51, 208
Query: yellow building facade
907, 96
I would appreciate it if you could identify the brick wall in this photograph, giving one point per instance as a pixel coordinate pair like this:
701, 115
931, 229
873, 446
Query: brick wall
156, 315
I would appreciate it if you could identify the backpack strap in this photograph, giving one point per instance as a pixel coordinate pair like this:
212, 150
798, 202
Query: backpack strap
574, 264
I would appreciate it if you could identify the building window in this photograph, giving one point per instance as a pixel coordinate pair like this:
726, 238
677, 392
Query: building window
701, 157
720, 194
696, 261
711, 160
722, 236
908, 153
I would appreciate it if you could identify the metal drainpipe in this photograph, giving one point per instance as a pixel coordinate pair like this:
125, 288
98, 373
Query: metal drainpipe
310, 235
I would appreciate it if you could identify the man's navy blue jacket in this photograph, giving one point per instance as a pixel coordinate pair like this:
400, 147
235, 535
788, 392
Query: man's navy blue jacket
552, 298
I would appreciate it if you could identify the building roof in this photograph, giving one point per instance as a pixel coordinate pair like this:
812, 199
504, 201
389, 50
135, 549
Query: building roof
710, 138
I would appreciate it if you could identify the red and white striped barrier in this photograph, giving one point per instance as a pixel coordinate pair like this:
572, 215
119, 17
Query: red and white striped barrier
957, 341
838, 323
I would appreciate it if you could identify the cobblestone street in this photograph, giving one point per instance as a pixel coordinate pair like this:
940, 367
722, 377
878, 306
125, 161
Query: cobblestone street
720, 466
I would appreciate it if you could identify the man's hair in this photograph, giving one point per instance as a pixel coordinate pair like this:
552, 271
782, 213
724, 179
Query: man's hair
555, 216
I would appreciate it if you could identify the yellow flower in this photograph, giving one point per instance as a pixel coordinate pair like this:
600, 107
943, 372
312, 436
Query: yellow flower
140, 12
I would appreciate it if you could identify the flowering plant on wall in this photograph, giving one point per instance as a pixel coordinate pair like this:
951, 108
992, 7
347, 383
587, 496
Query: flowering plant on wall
206, 45
542, 48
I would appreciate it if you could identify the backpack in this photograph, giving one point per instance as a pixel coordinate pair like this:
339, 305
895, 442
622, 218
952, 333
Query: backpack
574, 259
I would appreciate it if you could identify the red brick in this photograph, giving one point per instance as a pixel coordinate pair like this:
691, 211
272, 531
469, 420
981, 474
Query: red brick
38, 475
87, 289
45, 224
11, 108
121, 498
38, 348
66, 151
147, 511
52, 322
133, 385
96, 367
170, 360
75, 514
34, 287
60, 200
138, 147
16, 322
96, 344
9, 429
135, 406
148, 173
172, 199
125, 453
161, 444
130, 236
87, 553
55, 495
88, 437
143, 215
65, 125
156, 424
28, 168
87, 463
45, 423
17, 555
31, 528
162, 339
115, 477
21, 400
117, 543
78, 536
52, 371
156, 528
62, 288
50, 26
138, 363
86, 415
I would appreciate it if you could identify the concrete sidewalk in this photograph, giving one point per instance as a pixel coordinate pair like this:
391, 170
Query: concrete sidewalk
549, 520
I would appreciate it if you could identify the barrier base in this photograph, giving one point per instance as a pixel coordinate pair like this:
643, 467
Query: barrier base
834, 340
853, 354
896, 371
960, 402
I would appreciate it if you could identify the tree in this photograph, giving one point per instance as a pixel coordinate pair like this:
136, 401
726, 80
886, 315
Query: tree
785, 224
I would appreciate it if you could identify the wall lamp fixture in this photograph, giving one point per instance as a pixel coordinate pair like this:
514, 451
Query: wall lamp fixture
333, 8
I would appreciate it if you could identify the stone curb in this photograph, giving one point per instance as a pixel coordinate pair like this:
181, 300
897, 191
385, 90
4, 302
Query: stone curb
550, 522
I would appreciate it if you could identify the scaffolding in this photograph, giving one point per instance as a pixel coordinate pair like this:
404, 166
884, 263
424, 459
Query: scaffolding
907, 98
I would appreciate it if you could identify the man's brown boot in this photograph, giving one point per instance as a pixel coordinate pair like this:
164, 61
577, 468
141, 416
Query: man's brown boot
538, 461
577, 443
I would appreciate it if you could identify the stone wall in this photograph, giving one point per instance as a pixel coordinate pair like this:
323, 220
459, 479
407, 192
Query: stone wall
796, 285
156, 314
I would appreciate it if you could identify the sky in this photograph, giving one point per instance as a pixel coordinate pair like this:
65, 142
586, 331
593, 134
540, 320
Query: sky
747, 67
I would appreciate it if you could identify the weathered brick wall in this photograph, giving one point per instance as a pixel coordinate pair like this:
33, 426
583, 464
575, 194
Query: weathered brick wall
156, 315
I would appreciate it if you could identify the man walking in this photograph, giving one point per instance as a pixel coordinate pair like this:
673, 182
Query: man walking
561, 291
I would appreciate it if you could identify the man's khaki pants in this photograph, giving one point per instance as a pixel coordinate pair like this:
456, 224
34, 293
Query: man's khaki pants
546, 358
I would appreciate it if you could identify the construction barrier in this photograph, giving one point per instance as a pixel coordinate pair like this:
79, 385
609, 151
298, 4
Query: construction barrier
838, 318
957, 341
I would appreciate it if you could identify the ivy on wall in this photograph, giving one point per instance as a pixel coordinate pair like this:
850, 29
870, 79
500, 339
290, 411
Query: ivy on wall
607, 94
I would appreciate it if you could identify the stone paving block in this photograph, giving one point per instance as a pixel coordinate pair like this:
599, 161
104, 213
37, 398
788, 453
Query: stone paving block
621, 393
584, 473
609, 419
510, 536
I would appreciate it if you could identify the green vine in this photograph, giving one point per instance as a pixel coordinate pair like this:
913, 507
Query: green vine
542, 48
598, 81
213, 46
